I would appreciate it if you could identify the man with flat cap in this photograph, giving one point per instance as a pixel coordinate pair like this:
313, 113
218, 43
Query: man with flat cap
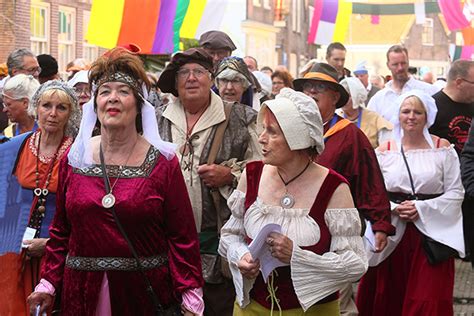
218, 44
215, 140
348, 151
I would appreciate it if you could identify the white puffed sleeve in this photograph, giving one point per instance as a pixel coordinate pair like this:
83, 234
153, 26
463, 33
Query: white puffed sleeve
317, 276
441, 217
232, 245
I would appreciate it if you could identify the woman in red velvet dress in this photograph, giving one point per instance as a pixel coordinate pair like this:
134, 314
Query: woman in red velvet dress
319, 246
128, 170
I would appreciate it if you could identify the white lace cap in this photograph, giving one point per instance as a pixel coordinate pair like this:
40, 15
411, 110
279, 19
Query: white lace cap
299, 119
430, 108
80, 155
356, 90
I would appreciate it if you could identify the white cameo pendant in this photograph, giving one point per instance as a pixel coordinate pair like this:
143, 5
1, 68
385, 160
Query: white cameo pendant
287, 201
108, 200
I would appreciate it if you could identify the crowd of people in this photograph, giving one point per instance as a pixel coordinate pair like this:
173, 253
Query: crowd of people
129, 193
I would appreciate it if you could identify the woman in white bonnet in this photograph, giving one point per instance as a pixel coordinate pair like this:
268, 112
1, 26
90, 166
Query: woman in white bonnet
406, 282
319, 248
375, 127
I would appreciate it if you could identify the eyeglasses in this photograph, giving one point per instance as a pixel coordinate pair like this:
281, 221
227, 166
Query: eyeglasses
218, 53
318, 86
32, 70
197, 72
471, 82
80, 91
233, 82
278, 82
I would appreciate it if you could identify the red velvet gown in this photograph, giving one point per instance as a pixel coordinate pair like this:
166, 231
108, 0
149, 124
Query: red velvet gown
349, 153
154, 208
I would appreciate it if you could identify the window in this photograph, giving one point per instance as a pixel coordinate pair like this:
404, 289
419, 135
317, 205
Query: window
91, 52
257, 3
427, 33
39, 26
66, 36
267, 5
296, 15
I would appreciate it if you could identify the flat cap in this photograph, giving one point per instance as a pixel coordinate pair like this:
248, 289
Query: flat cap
216, 40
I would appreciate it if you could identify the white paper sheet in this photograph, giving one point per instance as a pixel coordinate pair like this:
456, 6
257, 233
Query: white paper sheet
369, 237
259, 249
28, 235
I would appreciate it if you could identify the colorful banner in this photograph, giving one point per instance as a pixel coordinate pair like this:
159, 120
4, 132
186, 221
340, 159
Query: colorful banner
323, 27
453, 15
156, 26
393, 9
461, 52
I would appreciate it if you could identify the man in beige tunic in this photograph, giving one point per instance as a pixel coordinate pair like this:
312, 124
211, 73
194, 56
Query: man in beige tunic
191, 122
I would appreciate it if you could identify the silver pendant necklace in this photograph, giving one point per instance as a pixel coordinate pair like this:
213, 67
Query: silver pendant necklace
108, 200
288, 200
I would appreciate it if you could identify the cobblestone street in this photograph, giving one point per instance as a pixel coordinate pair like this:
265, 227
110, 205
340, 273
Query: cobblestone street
463, 289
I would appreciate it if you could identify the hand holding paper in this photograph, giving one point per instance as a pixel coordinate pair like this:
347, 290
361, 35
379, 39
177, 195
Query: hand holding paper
260, 249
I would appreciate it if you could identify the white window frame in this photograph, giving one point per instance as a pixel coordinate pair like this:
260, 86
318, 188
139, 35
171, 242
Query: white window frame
40, 45
257, 3
68, 43
296, 6
89, 52
427, 32
267, 5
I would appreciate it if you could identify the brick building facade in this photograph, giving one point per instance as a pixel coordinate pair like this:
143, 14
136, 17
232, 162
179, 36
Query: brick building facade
55, 27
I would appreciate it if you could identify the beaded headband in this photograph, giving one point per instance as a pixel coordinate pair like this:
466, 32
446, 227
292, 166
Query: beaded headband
120, 77
56, 85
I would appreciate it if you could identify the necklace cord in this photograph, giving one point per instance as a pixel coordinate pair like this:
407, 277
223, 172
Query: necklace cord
295, 177
108, 187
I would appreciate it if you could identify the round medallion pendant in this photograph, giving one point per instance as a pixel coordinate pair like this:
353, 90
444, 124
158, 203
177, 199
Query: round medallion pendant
108, 200
287, 201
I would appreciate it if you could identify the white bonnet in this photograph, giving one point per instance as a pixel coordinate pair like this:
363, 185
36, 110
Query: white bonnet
81, 76
430, 108
299, 119
265, 82
356, 90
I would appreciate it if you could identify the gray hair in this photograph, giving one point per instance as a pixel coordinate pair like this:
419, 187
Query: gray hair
460, 69
15, 59
230, 74
20, 86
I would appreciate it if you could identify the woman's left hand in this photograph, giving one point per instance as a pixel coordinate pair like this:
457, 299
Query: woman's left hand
407, 211
35, 247
281, 247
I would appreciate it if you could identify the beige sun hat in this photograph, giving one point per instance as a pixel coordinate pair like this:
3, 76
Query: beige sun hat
298, 117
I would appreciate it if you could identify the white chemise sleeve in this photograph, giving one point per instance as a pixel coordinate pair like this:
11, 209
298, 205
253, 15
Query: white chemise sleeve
317, 276
232, 246
441, 217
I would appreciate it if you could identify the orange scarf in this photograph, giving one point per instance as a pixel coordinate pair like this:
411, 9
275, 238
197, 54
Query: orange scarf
340, 125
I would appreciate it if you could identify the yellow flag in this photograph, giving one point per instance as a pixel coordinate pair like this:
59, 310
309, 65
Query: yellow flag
342, 21
192, 18
105, 22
